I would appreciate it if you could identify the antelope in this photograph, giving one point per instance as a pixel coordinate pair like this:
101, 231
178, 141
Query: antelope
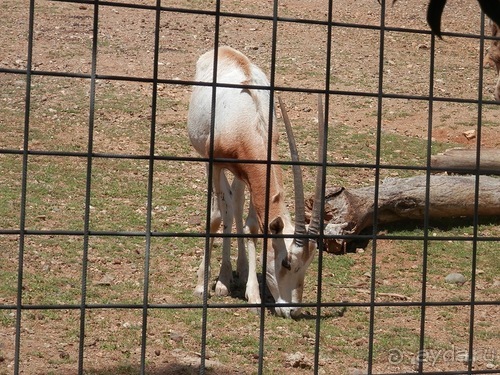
241, 134
492, 57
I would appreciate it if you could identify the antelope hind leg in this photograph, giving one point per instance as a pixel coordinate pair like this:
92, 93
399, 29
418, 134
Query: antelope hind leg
227, 210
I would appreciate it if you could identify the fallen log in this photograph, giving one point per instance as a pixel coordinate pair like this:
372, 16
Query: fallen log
350, 211
461, 160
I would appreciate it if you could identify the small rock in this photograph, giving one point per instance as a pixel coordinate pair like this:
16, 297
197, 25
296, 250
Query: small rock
496, 284
105, 280
176, 336
470, 134
297, 360
194, 221
455, 278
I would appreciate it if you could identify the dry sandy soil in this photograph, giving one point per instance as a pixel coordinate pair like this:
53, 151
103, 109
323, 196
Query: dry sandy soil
62, 42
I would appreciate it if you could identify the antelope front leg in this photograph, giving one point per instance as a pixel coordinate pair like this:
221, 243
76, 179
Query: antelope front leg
238, 188
252, 292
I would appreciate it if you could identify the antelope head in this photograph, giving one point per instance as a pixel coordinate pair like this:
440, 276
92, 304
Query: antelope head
286, 270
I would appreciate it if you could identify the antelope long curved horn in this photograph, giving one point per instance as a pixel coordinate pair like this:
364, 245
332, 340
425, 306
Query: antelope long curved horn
314, 225
300, 216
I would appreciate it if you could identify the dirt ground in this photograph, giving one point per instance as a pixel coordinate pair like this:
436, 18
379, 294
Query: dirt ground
62, 42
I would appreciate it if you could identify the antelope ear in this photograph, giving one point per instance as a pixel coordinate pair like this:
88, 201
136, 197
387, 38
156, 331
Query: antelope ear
276, 226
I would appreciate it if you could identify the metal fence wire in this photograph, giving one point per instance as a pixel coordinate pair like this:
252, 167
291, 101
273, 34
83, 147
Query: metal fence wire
104, 203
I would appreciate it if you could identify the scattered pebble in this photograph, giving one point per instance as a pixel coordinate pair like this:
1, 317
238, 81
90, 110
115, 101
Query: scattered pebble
470, 134
297, 360
455, 278
104, 281
176, 336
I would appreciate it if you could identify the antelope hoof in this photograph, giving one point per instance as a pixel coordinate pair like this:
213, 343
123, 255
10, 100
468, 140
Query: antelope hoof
253, 299
221, 289
199, 291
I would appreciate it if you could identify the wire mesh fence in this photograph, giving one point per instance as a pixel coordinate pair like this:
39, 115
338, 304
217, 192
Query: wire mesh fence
104, 202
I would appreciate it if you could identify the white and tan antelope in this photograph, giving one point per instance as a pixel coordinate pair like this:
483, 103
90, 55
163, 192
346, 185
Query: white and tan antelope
241, 134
